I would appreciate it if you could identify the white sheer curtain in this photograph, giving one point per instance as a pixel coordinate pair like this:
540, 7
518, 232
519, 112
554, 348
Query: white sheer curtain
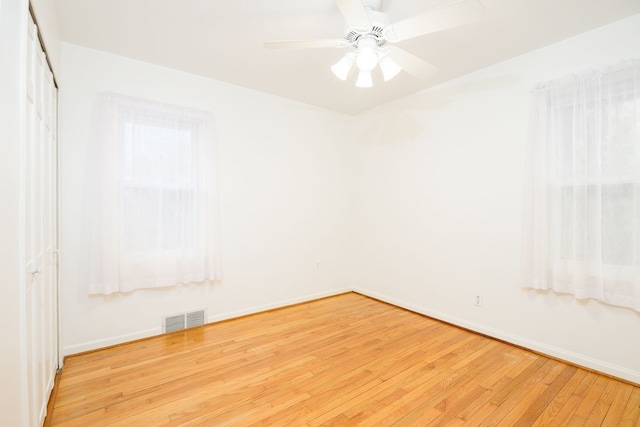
582, 210
153, 197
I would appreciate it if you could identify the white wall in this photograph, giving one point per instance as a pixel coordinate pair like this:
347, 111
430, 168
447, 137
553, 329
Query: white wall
12, 385
440, 197
285, 180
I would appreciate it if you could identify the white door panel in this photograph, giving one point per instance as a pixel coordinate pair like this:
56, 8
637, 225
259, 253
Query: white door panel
40, 229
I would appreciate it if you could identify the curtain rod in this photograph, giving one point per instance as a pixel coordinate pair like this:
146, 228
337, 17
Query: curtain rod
603, 71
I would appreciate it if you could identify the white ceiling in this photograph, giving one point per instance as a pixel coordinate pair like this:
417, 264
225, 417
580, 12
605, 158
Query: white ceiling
223, 40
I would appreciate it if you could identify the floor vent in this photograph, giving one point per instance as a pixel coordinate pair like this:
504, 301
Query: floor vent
181, 321
195, 318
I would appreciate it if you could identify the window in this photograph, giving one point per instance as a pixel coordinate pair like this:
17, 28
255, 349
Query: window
597, 191
154, 217
158, 188
582, 232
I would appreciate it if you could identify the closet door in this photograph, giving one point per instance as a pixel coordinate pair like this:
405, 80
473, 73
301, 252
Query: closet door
40, 229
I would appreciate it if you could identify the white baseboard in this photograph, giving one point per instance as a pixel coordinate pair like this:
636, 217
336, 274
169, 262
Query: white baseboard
552, 351
275, 305
539, 347
120, 339
108, 342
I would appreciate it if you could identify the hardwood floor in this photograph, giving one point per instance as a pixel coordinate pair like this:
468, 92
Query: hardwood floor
344, 360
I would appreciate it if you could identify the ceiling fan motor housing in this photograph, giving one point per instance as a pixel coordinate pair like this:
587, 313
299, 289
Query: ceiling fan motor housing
379, 21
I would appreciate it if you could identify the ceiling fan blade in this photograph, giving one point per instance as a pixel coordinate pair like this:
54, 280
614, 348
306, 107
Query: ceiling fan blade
306, 44
354, 13
411, 64
453, 15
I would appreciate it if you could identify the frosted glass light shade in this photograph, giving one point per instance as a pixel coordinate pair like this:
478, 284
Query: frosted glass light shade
389, 68
364, 79
341, 68
367, 58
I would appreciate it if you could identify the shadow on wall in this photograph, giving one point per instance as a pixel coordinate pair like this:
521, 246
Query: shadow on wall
395, 123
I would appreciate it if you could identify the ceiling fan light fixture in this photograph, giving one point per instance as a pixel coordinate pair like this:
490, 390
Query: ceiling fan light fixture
367, 56
364, 79
369, 31
341, 68
389, 68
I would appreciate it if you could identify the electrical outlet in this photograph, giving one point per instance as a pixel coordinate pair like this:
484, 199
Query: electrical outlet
477, 300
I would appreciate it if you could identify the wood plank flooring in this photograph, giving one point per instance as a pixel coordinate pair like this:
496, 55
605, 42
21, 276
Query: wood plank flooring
344, 360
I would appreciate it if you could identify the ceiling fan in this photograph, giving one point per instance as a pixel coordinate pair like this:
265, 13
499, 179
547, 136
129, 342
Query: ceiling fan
370, 32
